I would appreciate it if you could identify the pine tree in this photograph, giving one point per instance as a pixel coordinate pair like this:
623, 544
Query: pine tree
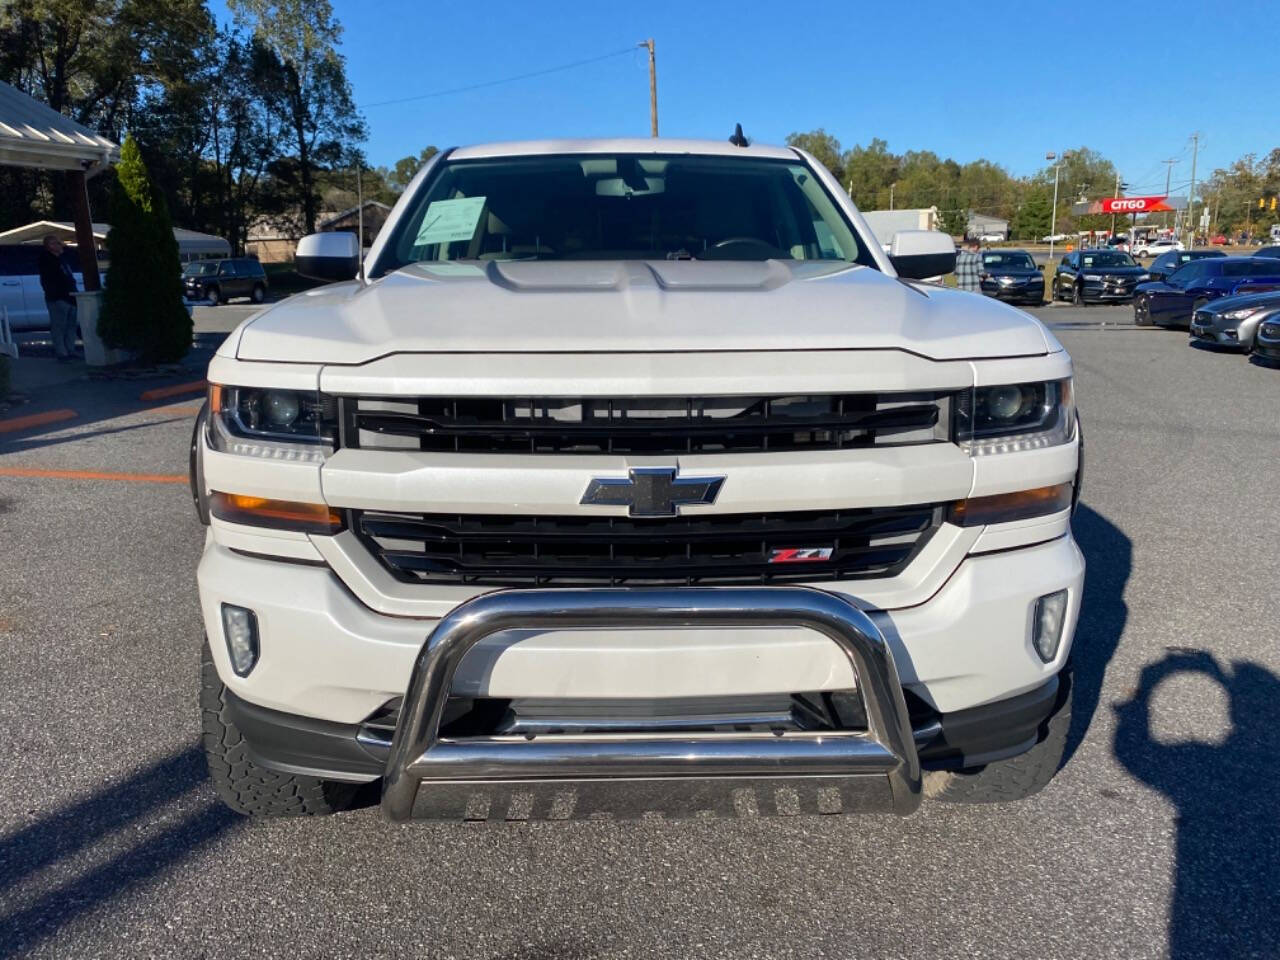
142, 309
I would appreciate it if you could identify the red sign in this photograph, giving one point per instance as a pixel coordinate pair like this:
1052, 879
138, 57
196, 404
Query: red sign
1134, 204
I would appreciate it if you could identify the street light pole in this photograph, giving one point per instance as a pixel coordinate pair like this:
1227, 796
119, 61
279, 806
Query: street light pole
1053, 212
891, 186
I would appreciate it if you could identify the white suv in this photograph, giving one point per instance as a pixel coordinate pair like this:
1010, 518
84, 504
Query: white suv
633, 475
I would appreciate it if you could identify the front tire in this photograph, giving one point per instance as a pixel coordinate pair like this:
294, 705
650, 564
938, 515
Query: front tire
1141, 312
1016, 778
195, 466
213, 295
259, 293
243, 785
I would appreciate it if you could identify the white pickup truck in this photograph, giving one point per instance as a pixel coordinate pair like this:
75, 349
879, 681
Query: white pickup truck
631, 476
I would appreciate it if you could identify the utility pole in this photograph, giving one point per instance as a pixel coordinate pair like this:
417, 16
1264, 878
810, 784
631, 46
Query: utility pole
1168, 174
891, 186
653, 87
1191, 196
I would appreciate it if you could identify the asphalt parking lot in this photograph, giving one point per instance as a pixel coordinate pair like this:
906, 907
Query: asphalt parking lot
1160, 837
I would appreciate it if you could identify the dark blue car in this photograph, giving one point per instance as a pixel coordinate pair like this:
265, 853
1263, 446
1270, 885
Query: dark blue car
1172, 301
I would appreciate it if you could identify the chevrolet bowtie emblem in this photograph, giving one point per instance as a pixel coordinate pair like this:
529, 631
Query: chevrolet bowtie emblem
652, 491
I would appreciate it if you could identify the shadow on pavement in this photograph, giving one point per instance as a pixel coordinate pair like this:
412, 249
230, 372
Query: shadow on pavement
1108, 557
1226, 898
61, 836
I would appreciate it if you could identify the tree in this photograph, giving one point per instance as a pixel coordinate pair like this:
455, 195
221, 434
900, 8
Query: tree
868, 171
824, 147
142, 309
956, 221
1032, 221
313, 96
406, 168
99, 62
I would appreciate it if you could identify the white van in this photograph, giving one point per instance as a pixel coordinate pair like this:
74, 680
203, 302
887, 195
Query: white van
21, 295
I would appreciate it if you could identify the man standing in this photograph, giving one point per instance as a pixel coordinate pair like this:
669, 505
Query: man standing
59, 288
969, 267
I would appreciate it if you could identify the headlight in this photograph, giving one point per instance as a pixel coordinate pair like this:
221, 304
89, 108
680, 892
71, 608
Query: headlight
1006, 281
300, 426
1240, 314
1092, 276
1017, 416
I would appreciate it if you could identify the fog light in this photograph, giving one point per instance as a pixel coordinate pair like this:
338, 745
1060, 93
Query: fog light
1051, 614
240, 628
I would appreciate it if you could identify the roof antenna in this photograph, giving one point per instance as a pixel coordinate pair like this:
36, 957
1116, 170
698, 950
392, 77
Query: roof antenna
739, 139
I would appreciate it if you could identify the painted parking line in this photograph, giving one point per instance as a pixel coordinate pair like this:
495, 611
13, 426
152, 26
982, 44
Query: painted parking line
36, 420
177, 390
39, 474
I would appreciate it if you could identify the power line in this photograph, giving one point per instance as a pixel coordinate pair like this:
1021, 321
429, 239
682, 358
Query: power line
493, 83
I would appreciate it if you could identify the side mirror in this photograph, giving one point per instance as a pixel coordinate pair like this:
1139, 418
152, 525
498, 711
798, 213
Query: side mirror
922, 254
328, 256
1040, 267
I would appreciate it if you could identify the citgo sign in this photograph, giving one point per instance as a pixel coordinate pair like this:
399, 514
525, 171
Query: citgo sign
1134, 204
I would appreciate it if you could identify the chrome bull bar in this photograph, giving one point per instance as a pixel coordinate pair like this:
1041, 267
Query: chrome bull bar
564, 776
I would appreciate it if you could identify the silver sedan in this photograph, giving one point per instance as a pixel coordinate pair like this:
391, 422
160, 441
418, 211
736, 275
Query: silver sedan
1233, 321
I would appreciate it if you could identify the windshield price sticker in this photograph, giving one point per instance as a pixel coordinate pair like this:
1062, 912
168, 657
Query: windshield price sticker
448, 220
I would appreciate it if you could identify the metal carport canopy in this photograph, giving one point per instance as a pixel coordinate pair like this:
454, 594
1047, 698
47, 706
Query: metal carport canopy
33, 134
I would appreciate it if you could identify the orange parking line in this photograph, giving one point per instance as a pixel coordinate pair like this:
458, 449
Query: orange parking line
36, 420
92, 475
159, 393
175, 411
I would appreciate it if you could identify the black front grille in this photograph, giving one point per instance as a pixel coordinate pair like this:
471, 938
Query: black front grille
499, 550
652, 425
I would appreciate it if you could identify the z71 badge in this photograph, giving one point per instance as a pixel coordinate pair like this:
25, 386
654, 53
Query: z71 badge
800, 554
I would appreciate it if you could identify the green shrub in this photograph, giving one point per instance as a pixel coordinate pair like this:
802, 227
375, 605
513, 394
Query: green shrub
142, 309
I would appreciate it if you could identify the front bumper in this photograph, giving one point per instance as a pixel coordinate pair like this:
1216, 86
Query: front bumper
1030, 292
977, 689
1204, 327
1106, 293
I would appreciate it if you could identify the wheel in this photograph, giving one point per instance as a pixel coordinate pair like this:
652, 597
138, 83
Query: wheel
258, 294
213, 294
243, 785
195, 467
1012, 779
1141, 312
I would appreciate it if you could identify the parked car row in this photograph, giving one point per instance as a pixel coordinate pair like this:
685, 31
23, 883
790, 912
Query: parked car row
1171, 301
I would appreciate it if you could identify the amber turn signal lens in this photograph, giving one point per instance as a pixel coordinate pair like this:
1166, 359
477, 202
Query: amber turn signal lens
217, 395
278, 514
1019, 505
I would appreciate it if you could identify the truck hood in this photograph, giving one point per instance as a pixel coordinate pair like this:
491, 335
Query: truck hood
635, 306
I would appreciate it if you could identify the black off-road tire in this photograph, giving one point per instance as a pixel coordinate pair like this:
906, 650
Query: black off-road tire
195, 467
1007, 780
243, 785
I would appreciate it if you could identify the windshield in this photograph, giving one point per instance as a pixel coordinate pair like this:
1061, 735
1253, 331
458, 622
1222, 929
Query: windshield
206, 268
620, 207
1021, 261
1108, 258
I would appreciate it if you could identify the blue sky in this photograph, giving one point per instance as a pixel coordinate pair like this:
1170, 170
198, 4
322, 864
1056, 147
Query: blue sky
1004, 81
